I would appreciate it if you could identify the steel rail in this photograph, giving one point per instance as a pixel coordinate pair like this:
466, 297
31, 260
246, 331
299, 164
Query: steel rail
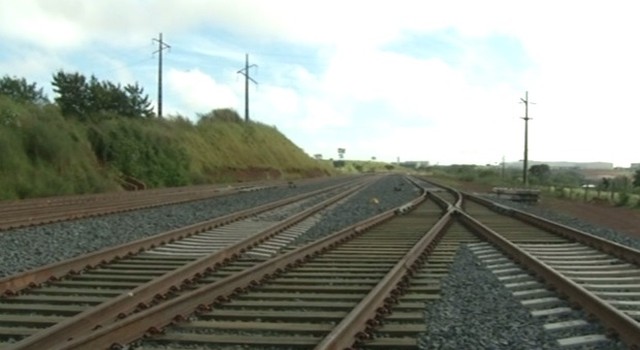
154, 319
158, 289
49, 202
626, 327
46, 211
618, 250
12, 284
357, 325
39, 211
441, 201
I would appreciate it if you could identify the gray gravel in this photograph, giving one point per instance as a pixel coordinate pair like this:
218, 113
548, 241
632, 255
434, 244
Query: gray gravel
385, 194
571, 221
477, 312
32, 247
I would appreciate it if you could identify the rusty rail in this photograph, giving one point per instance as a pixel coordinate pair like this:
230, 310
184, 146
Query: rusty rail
38, 211
627, 328
357, 324
12, 284
24, 213
156, 290
156, 318
441, 202
620, 251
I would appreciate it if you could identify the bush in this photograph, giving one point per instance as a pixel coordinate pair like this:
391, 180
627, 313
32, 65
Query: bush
338, 163
41, 154
141, 150
623, 199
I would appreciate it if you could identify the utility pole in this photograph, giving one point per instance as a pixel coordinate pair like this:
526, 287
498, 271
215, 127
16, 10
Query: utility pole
525, 177
161, 46
245, 71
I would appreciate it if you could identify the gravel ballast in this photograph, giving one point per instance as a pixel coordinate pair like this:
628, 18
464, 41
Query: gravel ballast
385, 194
31, 247
36, 246
573, 222
477, 311
474, 312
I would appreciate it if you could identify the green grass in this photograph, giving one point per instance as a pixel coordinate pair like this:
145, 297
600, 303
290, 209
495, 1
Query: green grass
564, 185
41, 154
622, 199
44, 154
363, 166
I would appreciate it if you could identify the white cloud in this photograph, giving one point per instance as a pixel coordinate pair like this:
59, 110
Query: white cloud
320, 114
197, 92
31, 21
580, 66
71, 23
280, 101
31, 63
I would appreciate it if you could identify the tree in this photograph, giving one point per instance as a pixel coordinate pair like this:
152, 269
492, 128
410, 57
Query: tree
541, 172
21, 91
571, 177
106, 97
74, 96
636, 178
82, 98
138, 104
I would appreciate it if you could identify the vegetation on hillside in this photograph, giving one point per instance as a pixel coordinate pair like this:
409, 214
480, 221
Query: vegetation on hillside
362, 166
96, 135
87, 99
42, 154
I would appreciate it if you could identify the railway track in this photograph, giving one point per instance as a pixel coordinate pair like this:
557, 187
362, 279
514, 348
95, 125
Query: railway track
343, 266
58, 302
576, 269
301, 306
363, 287
31, 212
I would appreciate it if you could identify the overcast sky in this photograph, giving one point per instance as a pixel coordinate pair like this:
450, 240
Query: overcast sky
439, 81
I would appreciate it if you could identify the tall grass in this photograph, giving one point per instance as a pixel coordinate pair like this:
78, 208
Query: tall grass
44, 154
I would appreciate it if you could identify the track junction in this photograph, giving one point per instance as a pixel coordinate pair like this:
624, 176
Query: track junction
247, 279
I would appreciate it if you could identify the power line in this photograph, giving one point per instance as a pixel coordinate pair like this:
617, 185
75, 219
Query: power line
245, 71
161, 46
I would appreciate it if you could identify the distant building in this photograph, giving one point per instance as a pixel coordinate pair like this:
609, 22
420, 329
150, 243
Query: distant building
578, 165
415, 164
635, 165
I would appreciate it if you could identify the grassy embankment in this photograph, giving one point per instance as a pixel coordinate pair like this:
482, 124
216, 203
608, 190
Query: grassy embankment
44, 154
